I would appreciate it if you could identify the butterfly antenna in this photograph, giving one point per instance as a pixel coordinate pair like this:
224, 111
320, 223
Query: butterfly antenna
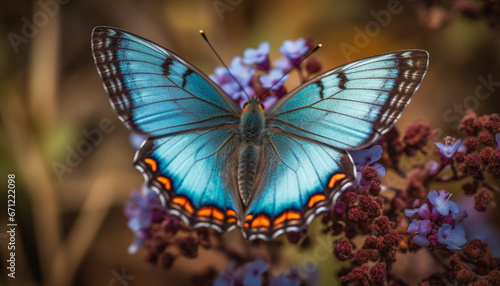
297, 64
202, 33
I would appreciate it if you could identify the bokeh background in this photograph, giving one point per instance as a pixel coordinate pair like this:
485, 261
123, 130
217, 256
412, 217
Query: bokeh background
71, 228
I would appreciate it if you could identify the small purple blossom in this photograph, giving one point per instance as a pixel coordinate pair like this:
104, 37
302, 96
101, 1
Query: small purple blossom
442, 203
144, 209
423, 211
452, 238
497, 138
249, 274
269, 101
283, 64
368, 157
239, 89
447, 149
294, 49
221, 76
259, 56
274, 81
136, 140
290, 278
423, 228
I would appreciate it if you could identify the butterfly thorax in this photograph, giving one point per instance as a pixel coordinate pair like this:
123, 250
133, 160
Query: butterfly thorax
252, 127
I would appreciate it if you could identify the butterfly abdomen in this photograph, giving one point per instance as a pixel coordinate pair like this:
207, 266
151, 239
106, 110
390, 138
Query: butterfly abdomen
247, 170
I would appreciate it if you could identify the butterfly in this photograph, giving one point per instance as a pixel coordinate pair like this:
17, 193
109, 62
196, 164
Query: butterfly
267, 172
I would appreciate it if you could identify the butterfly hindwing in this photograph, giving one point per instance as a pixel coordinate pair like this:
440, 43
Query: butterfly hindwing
351, 106
299, 180
155, 92
194, 171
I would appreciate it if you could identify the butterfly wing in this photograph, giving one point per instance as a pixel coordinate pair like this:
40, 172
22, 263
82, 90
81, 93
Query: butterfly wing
195, 173
351, 106
300, 179
190, 122
346, 108
153, 91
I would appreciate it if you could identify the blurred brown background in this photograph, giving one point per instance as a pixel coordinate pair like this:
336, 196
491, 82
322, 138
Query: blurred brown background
71, 230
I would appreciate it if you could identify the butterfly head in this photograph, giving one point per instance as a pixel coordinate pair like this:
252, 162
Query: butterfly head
253, 105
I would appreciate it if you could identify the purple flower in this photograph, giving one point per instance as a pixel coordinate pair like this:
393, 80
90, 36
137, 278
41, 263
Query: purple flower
136, 140
221, 76
254, 271
269, 101
423, 228
144, 208
423, 211
497, 137
243, 75
259, 56
248, 275
290, 278
452, 238
294, 50
274, 80
368, 157
448, 150
283, 64
442, 203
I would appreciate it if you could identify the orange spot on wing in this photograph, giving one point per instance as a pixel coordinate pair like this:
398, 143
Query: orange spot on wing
231, 213
335, 178
207, 211
246, 224
217, 214
231, 219
249, 217
315, 199
151, 162
165, 181
211, 212
261, 220
288, 215
183, 202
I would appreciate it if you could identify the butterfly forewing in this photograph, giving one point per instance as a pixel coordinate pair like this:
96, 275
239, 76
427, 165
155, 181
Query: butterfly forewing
351, 106
155, 92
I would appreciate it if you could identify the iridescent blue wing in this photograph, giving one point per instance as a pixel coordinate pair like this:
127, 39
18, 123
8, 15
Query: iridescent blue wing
153, 91
351, 106
195, 173
299, 179
190, 122
346, 108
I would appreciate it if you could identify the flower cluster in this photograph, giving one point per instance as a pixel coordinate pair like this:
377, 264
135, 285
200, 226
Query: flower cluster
253, 74
367, 157
144, 210
256, 273
438, 225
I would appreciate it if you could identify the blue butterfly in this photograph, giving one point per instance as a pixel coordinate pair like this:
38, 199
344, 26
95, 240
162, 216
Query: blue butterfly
267, 172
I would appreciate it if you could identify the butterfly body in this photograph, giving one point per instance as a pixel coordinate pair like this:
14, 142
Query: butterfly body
251, 131
264, 171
